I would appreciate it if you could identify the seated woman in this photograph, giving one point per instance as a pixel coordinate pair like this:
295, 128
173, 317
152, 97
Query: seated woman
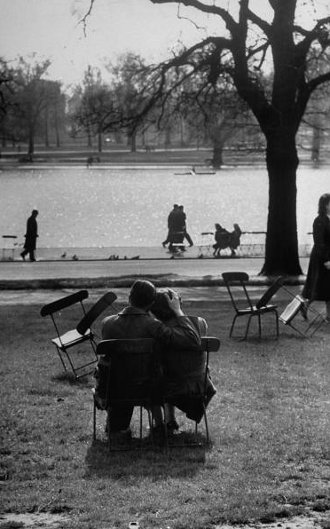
184, 370
222, 239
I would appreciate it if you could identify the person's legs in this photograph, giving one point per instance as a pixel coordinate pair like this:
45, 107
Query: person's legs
167, 240
31, 255
170, 417
189, 239
24, 253
119, 417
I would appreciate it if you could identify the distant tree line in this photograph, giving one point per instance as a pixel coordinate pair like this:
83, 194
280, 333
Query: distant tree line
33, 107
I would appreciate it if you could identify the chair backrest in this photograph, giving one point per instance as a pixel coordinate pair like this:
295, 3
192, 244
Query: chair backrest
62, 303
210, 344
132, 368
270, 292
101, 305
233, 280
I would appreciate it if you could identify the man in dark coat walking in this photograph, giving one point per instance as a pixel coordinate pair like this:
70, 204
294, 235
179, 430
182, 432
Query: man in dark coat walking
31, 236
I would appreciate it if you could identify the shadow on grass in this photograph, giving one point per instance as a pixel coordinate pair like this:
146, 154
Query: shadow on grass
69, 378
134, 459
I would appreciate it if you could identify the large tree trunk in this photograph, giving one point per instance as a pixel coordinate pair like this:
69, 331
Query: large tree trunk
31, 141
217, 159
281, 256
99, 141
132, 140
57, 132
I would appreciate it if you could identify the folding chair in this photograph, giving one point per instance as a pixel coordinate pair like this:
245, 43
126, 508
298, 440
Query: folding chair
208, 344
131, 379
305, 327
235, 283
82, 333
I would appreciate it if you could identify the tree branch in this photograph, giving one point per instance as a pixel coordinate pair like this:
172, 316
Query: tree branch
83, 21
262, 24
205, 8
317, 81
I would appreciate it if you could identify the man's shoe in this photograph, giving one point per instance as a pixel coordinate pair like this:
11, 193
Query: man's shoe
121, 436
23, 256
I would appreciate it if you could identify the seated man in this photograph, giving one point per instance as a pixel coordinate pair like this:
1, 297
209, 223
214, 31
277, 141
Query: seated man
135, 321
184, 368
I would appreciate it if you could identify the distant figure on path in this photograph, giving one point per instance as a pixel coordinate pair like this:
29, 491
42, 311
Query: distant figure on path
221, 237
183, 218
235, 239
172, 225
225, 239
317, 285
31, 236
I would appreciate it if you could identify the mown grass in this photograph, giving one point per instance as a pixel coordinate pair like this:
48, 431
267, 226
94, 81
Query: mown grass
269, 423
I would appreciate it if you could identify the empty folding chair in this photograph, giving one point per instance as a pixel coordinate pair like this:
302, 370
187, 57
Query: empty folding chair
65, 341
235, 283
305, 326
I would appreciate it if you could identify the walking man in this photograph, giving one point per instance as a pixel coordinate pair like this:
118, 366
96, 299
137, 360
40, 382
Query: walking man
183, 218
31, 236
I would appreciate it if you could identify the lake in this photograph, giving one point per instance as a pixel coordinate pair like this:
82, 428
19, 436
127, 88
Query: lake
109, 207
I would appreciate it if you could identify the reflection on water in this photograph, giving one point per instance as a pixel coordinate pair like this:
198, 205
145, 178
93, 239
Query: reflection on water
129, 207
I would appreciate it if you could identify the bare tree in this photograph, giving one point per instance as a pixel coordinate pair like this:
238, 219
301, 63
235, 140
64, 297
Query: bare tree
246, 45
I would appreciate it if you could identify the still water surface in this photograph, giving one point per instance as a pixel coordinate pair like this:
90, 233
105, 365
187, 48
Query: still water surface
81, 207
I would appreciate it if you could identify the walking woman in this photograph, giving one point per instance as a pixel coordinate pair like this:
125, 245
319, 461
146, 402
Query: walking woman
317, 286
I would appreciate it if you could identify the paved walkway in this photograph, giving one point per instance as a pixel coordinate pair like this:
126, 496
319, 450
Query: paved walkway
198, 280
98, 274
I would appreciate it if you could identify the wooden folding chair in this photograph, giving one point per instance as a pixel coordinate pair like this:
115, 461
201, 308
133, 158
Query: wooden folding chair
131, 378
64, 342
235, 283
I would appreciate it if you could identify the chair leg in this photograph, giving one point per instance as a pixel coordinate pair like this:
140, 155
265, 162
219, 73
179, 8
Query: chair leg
206, 426
165, 431
277, 325
94, 421
141, 423
59, 354
247, 328
232, 326
259, 325
150, 419
93, 344
71, 363
109, 432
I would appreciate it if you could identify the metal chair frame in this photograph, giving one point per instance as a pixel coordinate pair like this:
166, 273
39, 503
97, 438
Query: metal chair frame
82, 332
240, 279
308, 328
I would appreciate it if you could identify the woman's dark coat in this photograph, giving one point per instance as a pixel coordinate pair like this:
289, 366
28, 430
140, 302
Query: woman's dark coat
317, 286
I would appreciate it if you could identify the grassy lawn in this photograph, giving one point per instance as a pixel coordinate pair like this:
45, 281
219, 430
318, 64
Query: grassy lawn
269, 423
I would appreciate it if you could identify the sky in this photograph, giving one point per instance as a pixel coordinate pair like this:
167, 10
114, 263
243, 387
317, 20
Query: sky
53, 29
